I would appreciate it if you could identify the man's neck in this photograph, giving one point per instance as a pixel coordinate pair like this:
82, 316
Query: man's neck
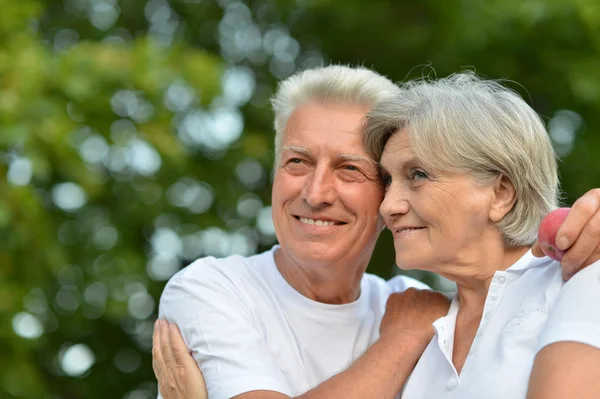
335, 283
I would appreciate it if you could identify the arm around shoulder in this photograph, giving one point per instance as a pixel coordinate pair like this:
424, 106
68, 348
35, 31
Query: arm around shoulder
568, 364
219, 329
566, 370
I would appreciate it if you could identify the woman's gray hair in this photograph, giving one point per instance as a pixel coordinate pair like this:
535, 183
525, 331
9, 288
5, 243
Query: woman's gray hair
334, 83
469, 125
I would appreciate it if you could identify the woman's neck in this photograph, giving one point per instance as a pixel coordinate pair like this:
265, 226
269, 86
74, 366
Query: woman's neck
473, 274
472, 293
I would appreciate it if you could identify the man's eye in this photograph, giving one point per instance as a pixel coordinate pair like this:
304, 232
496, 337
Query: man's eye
295, 160
351, 168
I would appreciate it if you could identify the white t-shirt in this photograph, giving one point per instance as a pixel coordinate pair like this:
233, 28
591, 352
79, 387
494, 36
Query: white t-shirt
512, 330
250, 330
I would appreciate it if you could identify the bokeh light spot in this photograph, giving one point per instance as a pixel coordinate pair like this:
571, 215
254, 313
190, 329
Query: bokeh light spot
27, 326
68, 196
20, 171
76, 360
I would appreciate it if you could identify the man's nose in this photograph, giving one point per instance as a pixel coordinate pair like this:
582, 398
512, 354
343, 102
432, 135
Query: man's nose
320, 188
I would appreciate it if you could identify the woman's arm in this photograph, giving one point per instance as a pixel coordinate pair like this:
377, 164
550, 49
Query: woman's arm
566, 370
379, 373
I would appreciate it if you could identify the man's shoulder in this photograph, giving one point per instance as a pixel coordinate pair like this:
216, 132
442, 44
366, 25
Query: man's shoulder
224, 269
231, 282
395, 284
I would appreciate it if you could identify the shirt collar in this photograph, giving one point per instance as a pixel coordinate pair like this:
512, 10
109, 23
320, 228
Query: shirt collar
528, 261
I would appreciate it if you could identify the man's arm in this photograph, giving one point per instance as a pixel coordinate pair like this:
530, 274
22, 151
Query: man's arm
379, 373
568, 364
566, 370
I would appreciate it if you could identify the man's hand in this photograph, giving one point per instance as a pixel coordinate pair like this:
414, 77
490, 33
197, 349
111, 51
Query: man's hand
412, 312
579, 235
176, 370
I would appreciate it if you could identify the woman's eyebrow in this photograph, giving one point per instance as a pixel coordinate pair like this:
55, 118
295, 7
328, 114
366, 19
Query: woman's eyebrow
403, 165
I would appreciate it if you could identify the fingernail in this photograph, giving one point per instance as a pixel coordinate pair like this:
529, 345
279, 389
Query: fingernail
562, 243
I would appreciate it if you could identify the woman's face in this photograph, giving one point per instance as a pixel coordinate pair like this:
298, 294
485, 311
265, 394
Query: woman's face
438, 219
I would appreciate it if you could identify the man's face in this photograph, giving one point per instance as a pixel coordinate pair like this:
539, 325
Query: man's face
326, 191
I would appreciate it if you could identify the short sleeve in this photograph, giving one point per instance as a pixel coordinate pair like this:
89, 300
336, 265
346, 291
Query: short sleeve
218, 328
575, 316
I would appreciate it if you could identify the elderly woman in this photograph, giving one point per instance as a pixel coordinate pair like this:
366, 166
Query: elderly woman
470, 172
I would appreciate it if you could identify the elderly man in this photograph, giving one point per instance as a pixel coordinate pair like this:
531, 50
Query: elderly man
303, 319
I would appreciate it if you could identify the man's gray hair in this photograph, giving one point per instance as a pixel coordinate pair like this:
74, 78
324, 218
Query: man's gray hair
330, 84
469, 125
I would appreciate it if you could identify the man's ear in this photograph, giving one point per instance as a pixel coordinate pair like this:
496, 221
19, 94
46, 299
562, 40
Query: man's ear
504, 198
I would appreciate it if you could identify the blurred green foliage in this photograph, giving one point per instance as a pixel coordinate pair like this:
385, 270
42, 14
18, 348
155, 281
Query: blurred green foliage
135, 136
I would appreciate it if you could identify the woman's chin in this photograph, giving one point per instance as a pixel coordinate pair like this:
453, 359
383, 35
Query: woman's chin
405, 263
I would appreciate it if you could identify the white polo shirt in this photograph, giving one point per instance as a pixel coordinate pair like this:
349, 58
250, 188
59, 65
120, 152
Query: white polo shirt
249, 330
512, 330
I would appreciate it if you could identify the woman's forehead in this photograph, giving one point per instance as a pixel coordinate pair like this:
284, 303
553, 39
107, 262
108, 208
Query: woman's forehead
398, 151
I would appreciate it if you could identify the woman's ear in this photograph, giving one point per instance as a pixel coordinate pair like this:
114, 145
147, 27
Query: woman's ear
504, 198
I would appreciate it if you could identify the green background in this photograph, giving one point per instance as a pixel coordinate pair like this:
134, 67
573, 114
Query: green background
136, 136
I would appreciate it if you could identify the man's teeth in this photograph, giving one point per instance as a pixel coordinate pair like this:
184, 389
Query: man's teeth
316, 222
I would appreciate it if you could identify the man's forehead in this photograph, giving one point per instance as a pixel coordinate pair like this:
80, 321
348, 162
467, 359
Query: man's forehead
318, 117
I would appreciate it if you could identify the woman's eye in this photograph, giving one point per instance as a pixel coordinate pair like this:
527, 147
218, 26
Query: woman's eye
387, 180
417, 174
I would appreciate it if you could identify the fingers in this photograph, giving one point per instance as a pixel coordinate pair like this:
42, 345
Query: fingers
165, 345
189, 369
581, 231
181, 355
586, 248
536, 250
158, 362
581, 212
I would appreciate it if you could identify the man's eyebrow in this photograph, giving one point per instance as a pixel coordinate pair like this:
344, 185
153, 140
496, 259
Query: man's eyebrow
299, 150
357, 158
346, 157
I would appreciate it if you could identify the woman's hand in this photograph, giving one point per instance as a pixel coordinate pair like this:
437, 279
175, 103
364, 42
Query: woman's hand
176, 370
412, 312
579, 235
